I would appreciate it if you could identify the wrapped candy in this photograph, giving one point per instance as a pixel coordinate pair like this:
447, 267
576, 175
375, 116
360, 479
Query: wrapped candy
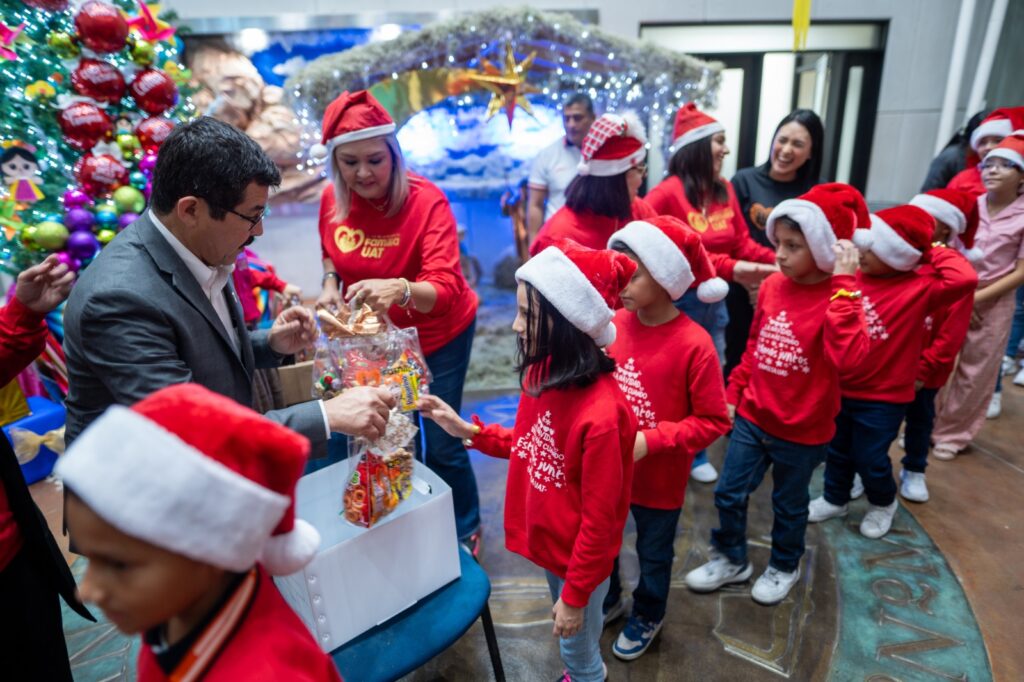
382, 475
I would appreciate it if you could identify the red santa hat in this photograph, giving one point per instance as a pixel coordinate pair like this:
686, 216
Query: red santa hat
825, 214
957, 209
674, 255
583, 284
691, 125
899, 236
197, 474
614, 144
352, 116
1011, 149
999, 123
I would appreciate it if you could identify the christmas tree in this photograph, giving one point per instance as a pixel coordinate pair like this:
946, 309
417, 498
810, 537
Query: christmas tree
628, 378
89, 94
778, 350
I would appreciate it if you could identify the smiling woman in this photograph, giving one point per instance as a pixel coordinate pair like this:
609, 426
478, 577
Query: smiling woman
389, 241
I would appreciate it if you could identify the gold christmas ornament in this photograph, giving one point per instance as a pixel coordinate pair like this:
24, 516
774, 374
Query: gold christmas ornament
508, 86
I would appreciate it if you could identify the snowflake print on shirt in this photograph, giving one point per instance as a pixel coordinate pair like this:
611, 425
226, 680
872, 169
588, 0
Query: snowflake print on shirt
778, 351
876, 328
628, 378
545, 465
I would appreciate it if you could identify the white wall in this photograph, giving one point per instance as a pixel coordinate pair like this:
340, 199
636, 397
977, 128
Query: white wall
913, 79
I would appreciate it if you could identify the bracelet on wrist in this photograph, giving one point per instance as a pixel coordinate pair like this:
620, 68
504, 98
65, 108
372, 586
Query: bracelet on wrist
330, 275
845, 293
407, 295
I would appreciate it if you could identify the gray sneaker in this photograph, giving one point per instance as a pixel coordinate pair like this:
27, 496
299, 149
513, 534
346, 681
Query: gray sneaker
717, 572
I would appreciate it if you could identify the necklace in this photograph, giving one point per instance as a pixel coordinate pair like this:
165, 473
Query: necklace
378, 206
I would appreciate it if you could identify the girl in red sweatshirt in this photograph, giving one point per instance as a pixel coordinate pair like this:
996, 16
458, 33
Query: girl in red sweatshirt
875, 394
571, 450
784, 394
669, 371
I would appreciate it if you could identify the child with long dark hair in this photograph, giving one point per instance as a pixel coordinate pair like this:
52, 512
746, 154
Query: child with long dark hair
571, 450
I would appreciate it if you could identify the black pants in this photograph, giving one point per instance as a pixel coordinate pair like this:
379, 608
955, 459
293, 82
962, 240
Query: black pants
741, 316
31, 631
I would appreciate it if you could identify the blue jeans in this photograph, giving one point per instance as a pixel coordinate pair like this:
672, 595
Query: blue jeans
917, 437
864, 431
714, 317
581, 653
655, 540
1016, 335
751, 451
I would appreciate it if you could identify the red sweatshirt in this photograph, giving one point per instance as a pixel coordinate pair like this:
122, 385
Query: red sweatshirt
587, 228
788, 380
419, 243
944, 333
570, 469
22, 339
968, 180
671, 376
895, 309
722, 229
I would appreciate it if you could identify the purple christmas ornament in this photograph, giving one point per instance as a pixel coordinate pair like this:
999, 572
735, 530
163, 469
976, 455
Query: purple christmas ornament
82, 245
79, 219
147, 164
126, 219
75, 198
67, 259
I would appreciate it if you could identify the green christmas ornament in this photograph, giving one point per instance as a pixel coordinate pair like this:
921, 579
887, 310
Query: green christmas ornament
63, 44
138, 180
105, 235
143, 52
129, 144
28, 237
129, 200
50, 236
105, 205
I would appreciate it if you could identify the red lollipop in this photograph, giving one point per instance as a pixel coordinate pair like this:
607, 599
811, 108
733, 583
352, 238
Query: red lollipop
84, 124
154, 91
101, 173
101, 27
153, 131
99, 80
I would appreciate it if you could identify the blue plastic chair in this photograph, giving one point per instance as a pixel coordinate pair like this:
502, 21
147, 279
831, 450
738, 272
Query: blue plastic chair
412, 638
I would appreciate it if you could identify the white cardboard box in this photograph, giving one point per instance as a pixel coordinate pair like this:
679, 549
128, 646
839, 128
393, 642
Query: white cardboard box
361, 577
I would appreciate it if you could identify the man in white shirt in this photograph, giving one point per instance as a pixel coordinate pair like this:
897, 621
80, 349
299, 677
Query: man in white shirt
157, 306
555, 166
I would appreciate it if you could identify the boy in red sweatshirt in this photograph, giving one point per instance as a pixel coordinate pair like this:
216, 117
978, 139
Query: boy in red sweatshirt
956, 223
877, 392
784, 395
668, 369
183, 525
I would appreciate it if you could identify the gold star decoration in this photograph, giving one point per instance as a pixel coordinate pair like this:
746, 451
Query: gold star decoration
508, 86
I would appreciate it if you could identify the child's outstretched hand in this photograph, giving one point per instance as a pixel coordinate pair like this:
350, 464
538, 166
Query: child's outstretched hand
847, 257
441, 413
568, 619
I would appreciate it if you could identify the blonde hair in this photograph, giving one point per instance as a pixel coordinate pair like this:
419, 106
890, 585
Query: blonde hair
398, 190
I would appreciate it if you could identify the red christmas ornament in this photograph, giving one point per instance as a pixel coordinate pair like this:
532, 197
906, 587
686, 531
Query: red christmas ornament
153, 131
84, 124
99, 80
154, 91
99, 174
48, 5
101, 27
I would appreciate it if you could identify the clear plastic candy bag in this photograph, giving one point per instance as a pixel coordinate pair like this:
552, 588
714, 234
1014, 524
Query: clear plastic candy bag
381, 474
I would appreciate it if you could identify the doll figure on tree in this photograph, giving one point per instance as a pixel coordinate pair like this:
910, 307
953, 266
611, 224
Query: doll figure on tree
20, 172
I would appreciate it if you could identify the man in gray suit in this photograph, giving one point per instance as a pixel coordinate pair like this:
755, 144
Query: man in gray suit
157, 306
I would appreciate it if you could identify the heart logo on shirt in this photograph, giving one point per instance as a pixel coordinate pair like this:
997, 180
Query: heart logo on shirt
348, 239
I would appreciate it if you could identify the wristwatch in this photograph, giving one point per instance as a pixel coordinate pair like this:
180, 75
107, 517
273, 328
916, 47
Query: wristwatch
332, 273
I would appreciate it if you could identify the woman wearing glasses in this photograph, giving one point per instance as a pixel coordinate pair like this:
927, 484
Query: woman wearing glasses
603, 197
389, 241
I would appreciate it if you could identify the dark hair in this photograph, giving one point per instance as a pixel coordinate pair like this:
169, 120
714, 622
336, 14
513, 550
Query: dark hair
12, 152
808, 174
580, 98
962, 137
694, 166
562, 356
790, 223
210, 159
605, 196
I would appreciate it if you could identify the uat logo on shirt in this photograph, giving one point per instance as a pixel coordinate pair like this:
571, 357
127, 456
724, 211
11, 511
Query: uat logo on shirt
717, 221
349, 239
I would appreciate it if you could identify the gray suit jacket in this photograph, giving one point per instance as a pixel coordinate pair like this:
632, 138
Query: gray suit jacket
137, 320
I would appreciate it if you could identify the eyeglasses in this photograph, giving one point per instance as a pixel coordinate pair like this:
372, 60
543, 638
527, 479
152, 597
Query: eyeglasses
1001, 164
640, 168
253, 220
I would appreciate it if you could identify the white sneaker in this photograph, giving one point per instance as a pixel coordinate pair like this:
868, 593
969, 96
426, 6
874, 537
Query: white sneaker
857, 489
704, 473
717, 572
878, 520
1009, 364
913, 487
945, 452
821, 509
773, 586
995, 406
1019, 379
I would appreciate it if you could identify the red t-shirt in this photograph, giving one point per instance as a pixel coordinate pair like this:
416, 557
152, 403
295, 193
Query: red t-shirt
671, 376
570, 469
968, 180
788, 380
589, 229
722, 229
419, 243
895, 309
22, 339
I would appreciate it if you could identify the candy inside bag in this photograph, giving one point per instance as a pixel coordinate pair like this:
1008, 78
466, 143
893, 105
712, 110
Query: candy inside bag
382, 473
326, 377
